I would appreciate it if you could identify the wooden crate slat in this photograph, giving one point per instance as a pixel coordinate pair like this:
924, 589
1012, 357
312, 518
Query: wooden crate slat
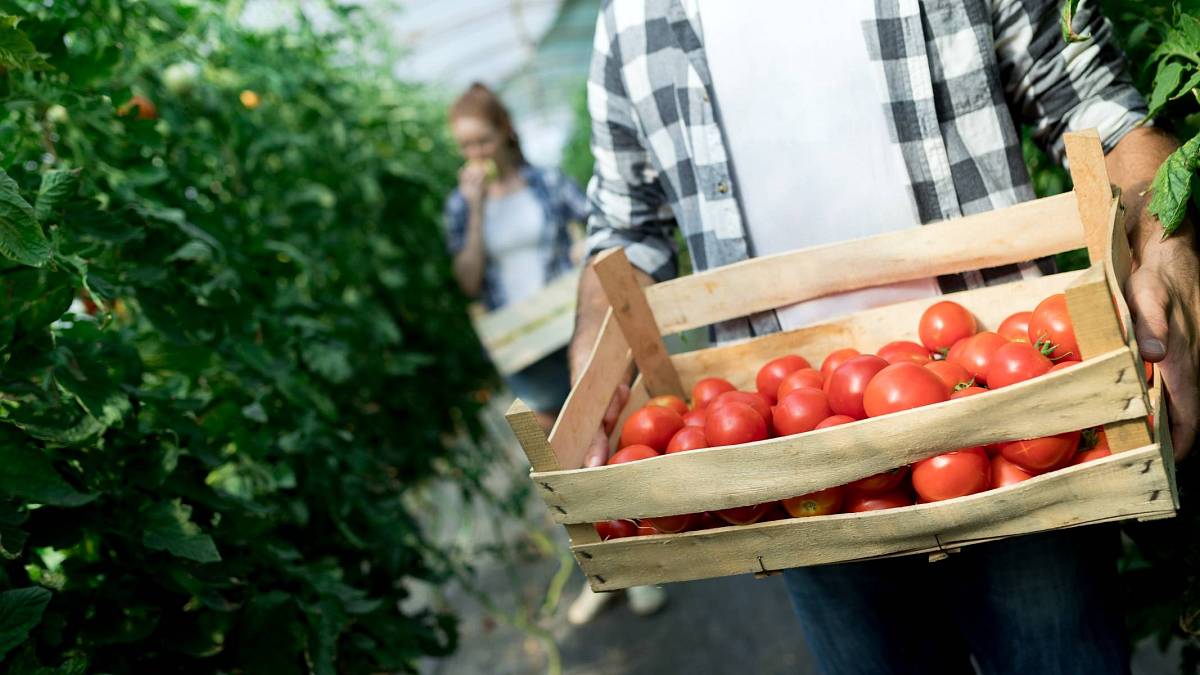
1015, 234
866, 331
502, 326
553, 332
584, 408
1101, 390
1113, 488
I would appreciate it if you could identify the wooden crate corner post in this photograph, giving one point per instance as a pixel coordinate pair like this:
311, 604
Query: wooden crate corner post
633, 314
541, 457
1095, 300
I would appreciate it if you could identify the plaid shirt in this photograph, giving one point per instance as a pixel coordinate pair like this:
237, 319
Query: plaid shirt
562, 202
957, 71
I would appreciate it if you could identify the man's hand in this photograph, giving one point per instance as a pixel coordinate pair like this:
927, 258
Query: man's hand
1164, 290
1164, 297
590, 308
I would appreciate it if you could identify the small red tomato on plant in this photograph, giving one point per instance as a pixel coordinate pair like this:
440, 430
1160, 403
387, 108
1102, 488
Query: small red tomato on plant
943, 324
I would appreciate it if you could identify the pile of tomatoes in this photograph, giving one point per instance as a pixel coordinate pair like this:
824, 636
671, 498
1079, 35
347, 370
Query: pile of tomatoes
954, 359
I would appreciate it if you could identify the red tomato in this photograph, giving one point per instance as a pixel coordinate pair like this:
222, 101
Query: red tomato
834, 420
774, 512
902, 386
616, 529
687, 438
744, 515
976, 355
644, 529
835, 359
967, 391
1063, 365
669, 401
1089, 455
798, 379
800, 411
1016, 362
1005, 472
951, 373
632, 453
943, 324
1051, 323
695, 418
819, 503
653, 426
706, 521
1016, 327
887, 500
953, 474
1041, 454
1149, 372
952, 356
903, 350
734, 423
756, 401
670, 524
708, 389
880, 482
846, 385
773, 371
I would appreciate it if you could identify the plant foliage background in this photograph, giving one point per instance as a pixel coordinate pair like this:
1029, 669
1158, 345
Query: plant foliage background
227, 346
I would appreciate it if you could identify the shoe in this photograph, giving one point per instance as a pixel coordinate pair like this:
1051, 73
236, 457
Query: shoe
587, 605
646, 600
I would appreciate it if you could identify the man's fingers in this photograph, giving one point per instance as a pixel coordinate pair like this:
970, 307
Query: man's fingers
1150, 304
615, 404
597, 453
1180, 382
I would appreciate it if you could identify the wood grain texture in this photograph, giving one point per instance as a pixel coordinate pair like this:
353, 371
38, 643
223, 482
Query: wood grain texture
866, 331
633, 313
585, 405
1114, 488
1092, 188
541, 457
551, 333
503, 325
1098, 391
1014, 234
1162, 433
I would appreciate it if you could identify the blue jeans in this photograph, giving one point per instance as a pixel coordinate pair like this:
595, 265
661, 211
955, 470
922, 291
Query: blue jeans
1042, 603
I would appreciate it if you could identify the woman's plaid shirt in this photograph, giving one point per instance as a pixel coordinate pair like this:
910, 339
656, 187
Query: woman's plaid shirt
960, 75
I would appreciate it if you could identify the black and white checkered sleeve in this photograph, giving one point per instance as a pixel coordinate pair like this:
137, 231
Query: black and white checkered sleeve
629, 207
1058, 87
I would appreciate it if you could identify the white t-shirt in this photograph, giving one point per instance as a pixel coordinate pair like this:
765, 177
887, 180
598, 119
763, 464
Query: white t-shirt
801, 106
512, 228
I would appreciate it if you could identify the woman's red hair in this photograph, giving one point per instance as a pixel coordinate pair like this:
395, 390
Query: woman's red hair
481, 102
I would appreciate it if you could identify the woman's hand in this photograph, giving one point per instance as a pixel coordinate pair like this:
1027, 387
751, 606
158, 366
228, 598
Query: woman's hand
472, 183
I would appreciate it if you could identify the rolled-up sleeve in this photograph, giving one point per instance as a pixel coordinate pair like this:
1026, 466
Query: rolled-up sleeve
1058, 87
454, 221
628, 206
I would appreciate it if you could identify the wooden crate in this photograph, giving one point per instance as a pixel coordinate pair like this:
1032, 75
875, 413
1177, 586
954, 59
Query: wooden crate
519, 334
1108, 389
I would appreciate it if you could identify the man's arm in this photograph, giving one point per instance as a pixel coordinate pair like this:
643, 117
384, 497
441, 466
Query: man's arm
1164, 289
628, 208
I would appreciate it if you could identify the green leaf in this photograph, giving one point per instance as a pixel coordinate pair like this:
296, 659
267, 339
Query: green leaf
1172, 186
330, 360
169, 528
20, 611
1182, 40
1068, 17
1166, 83
16, 51
21, 238
57, 186
27, 472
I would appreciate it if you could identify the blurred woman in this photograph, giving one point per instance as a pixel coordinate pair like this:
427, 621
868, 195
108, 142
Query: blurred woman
507, 225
